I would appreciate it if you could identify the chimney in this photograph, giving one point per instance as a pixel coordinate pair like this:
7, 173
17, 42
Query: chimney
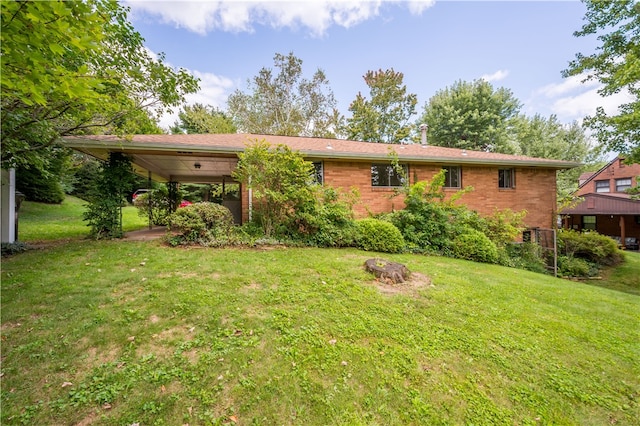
423, 135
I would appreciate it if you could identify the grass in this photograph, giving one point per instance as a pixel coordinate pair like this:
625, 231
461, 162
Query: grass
118, 333
47, 222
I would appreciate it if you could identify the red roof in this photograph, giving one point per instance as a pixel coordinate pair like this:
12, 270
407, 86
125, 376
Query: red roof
310, 147
618, 204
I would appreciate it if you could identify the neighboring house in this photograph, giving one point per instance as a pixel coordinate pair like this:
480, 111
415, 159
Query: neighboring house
500, 181
606, 207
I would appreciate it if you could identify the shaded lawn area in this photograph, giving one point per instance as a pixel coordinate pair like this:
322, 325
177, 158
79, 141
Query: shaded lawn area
49, 222
120, 333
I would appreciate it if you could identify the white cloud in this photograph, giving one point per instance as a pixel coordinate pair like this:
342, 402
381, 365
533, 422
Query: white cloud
214, 91
573, 99
496, 76
317, 16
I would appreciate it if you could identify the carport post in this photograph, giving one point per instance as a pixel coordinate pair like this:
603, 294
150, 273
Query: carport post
150, 200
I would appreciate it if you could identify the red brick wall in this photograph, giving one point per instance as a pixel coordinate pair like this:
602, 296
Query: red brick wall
616, 170
535, 190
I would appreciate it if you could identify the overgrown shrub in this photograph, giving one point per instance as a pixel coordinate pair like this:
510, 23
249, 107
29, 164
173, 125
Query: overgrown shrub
590, 246
474, 245
575, 267
160, 204
326, 220
523, 256
379, 235
202, 222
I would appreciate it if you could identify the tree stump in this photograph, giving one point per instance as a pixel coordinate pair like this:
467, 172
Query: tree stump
391, 272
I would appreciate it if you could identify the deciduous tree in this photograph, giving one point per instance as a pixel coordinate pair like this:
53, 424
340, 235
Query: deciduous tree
471, 116
615, 64
199, 118
71, 67
385, 116
285, 103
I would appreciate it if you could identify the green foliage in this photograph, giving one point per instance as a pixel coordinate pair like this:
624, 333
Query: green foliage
589, 246
160, 202
471, 116
285, 103
424, 223
474, 245
379, 235
202, 222
385, 117
44, 185
104, 214
281, 182
525, 255
616, 65
576, 267
326, 220
76, 68
199, 118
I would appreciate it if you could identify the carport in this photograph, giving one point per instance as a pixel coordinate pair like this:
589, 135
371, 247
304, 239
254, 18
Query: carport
169, 159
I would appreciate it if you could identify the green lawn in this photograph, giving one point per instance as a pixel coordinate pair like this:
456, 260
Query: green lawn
120, 333
46, 222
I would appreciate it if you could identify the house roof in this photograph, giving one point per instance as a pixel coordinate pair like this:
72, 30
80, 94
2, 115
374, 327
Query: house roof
177, 154
595, 204
595, 174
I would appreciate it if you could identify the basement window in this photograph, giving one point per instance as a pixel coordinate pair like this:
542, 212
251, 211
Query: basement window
386, 175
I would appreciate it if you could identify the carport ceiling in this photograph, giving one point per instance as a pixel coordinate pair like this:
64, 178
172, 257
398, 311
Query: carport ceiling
185, 168
172, 166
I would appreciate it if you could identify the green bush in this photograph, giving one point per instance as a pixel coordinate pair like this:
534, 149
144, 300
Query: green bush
379, 235
326, 220
523, 256
575, 267
202, 222
590, 246
474, 245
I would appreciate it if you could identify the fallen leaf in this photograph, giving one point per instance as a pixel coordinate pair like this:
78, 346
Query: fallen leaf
65, 384
344, 363
131, 338
107, 406
163, 389
333, 341
143, 263
233, 419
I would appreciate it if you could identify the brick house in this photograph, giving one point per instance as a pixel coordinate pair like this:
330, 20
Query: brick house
500, 181
605, 207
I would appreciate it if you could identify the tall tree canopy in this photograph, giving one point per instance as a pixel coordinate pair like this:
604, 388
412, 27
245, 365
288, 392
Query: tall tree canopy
203, 119
471, 116
285, 103
384, 117
542, 137
615, 64
71, 67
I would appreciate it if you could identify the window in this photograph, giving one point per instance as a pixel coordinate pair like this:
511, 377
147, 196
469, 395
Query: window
452, 178
506, 178
622, 184
589, 222
386, 175
318, 172
602, 186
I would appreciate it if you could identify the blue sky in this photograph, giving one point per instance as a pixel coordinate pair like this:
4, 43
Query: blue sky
522, 46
